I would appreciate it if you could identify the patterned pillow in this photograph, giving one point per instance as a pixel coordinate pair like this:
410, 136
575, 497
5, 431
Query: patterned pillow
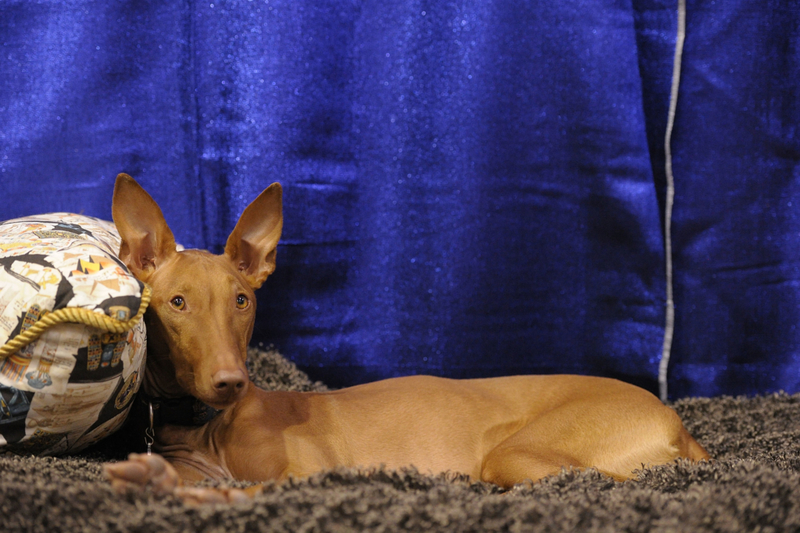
71, 330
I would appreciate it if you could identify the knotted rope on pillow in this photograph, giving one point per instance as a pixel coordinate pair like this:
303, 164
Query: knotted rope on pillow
75, 315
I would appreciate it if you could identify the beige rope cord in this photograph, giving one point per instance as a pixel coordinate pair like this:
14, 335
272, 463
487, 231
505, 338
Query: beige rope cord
75, 315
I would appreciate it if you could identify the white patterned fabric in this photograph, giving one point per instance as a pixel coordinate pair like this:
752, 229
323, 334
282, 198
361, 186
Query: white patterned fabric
74, 384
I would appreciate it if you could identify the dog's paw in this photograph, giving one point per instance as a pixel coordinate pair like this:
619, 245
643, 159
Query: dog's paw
210, 495
141, 471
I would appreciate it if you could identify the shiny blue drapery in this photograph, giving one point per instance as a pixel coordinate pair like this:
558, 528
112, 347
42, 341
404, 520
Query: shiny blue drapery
472, 188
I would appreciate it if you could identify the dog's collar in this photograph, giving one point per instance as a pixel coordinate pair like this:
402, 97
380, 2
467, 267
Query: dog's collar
183, 411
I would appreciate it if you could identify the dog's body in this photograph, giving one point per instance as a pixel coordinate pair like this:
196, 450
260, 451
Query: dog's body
501, 430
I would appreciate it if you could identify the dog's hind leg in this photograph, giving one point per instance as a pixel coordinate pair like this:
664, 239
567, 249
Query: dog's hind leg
515, 461
615, 435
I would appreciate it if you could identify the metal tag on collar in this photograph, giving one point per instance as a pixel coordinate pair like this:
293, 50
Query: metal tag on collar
149, 433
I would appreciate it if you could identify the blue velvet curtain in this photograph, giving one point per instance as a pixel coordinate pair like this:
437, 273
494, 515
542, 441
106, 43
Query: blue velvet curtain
472, 188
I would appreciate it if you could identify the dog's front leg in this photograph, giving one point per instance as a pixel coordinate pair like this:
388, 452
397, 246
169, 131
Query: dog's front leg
141, 471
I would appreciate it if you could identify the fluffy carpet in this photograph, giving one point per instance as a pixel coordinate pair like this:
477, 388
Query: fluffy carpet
752, 484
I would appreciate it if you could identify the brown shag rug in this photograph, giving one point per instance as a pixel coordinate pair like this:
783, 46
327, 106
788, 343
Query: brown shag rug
752, 484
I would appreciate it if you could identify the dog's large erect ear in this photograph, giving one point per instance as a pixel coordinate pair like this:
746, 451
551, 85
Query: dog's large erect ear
253, 243
146, 239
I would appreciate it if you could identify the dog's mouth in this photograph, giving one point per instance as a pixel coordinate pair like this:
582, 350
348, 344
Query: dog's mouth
221, 396
223, 399
217, 393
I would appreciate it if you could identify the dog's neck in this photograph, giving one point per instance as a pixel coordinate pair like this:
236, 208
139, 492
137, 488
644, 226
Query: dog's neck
169, 403
159, 376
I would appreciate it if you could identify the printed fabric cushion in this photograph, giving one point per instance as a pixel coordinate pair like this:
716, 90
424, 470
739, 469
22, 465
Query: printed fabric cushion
72, 336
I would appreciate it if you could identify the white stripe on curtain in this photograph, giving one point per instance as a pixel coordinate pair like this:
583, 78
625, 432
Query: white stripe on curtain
669, 326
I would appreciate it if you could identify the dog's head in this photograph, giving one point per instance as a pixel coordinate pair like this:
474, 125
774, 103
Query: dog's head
202, 310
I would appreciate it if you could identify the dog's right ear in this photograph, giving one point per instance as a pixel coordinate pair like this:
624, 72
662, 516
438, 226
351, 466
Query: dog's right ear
147, 241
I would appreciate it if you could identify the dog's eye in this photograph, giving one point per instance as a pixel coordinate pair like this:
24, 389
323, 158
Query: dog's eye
242, 302
178, 303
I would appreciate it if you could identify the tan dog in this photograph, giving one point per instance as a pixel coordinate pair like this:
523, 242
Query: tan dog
501, 430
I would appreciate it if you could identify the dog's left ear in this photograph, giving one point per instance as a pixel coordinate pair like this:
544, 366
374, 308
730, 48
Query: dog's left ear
252, 245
